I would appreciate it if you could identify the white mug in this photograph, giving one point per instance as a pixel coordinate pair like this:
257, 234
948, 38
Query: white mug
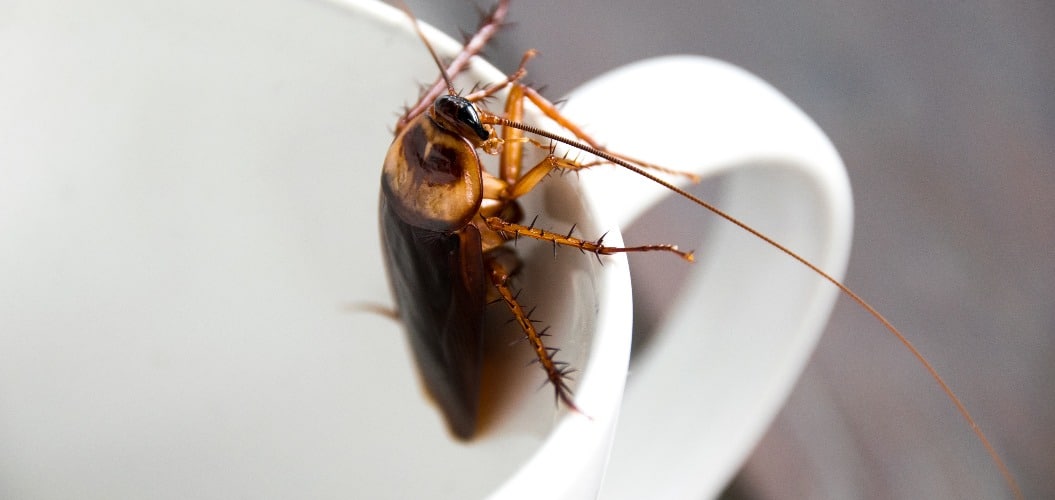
189, 204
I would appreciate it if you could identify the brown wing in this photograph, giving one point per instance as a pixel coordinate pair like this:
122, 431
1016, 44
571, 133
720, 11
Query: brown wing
439, 284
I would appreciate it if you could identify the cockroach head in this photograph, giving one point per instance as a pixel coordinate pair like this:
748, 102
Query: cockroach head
458, 115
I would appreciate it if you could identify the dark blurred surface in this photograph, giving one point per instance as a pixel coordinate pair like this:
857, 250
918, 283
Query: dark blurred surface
944, 112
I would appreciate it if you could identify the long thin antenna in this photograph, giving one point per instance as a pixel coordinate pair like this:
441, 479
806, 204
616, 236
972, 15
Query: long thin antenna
1008, 477
432, 52
489, 27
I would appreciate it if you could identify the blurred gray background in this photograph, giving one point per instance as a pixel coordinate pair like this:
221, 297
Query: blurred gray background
944, 112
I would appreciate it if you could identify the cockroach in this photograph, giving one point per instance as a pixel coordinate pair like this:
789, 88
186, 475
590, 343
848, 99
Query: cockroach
446, 225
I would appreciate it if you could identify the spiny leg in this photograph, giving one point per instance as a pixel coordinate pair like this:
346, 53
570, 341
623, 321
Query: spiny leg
512, 145
512, 230
557, 372
527, 182
492, 89
550, 111
512, 138
379, 309
487, 29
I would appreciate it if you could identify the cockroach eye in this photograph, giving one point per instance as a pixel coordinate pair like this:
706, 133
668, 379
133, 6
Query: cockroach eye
459, 115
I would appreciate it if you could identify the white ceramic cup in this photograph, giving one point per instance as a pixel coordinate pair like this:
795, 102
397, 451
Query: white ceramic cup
188, 203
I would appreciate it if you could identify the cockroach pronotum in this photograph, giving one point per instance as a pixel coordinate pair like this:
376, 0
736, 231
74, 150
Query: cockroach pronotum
447, 225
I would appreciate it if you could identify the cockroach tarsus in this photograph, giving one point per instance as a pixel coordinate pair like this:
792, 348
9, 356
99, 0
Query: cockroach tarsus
446, 221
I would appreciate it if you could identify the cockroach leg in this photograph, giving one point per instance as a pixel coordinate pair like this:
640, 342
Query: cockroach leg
378, 309
528, 181
494, 88
550, 110
557, 372
489, 27
513, 230
513, 146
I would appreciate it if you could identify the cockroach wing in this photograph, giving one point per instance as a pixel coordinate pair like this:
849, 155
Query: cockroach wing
440, 289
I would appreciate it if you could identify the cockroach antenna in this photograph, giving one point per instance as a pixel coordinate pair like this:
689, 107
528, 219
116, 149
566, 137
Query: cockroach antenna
435, 58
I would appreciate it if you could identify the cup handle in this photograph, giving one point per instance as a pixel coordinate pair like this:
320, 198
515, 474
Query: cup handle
747, 318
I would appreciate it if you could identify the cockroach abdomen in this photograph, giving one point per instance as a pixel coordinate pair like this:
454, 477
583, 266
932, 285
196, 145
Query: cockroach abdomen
440, 286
